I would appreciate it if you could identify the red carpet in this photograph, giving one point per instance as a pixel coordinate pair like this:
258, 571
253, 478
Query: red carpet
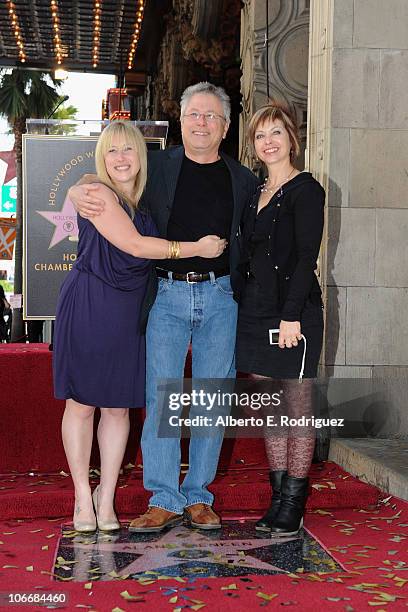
30, 442
243, 490
30, 417
370, 543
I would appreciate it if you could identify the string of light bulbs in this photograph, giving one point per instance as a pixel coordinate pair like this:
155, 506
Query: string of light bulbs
136, 33
16, 31
58, 48
97, 32
56, 28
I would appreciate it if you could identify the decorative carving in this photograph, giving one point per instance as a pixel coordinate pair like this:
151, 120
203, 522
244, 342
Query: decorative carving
287, 59
184, 7
303, 8
205, 18
290, 66
247, 80
200, 42
211, 53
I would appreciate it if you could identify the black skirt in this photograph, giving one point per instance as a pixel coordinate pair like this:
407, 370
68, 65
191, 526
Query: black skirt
258, 313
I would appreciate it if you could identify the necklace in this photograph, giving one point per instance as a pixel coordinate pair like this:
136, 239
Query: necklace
266, 189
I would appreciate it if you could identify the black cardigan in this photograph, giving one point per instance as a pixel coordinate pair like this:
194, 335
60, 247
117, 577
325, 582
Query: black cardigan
293, 243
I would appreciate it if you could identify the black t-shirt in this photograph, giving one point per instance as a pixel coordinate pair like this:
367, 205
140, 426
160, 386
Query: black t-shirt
203, 204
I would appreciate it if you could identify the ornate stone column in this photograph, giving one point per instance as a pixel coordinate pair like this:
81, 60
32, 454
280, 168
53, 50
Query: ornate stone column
317, 157
247, 79
274, 60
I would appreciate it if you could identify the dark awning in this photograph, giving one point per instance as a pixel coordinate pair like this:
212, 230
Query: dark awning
28, 31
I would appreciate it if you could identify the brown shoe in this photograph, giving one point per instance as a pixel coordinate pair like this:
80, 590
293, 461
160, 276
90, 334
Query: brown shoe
202, 516
155, 519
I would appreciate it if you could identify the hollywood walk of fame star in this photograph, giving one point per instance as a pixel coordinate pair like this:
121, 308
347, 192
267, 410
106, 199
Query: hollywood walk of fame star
9, 157
177, 547
65, 222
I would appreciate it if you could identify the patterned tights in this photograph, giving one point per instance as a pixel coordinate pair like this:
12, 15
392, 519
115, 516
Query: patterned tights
292, 449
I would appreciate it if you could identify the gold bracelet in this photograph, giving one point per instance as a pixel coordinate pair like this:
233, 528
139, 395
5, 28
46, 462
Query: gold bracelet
176, 249
173, 250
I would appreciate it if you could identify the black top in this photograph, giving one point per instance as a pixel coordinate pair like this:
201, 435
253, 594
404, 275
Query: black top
281, 243
163, 172
203, 204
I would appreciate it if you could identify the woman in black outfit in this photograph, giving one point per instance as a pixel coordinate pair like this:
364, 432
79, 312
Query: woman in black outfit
281, 232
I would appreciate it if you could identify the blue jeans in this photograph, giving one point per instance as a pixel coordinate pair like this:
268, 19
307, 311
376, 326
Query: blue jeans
205, 314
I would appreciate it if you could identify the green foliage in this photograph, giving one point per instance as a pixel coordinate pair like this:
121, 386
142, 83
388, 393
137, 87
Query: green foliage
7, 286
64, 112
27, 93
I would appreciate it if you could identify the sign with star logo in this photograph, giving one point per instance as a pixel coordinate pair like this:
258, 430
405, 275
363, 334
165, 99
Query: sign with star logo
65, 221
51, 164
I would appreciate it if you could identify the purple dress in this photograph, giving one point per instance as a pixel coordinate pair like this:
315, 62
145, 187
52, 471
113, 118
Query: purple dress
99, 352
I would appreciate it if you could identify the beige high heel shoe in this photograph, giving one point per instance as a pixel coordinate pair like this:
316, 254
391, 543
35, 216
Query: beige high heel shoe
84, 526
112, 525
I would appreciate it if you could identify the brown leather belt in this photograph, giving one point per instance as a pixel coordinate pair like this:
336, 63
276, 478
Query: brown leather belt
190, 277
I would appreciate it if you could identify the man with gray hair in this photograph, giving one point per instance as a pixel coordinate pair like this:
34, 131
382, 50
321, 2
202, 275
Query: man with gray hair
192, 190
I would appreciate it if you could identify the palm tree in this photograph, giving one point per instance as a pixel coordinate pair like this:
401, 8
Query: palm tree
64, 112
24, 94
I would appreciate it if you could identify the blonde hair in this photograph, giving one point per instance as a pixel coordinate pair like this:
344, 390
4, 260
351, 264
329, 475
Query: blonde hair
132, 135
271, 112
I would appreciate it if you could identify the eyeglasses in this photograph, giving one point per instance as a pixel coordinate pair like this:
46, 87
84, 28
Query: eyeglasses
209, 117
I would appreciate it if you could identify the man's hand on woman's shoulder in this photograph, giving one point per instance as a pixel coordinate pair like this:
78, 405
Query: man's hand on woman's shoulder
88, 178
85, 196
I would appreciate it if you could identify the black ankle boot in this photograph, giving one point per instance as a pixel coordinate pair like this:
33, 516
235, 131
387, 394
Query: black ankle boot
294, 492
265, 523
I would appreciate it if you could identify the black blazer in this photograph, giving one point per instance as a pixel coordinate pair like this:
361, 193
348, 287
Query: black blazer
163, 172
295, 234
